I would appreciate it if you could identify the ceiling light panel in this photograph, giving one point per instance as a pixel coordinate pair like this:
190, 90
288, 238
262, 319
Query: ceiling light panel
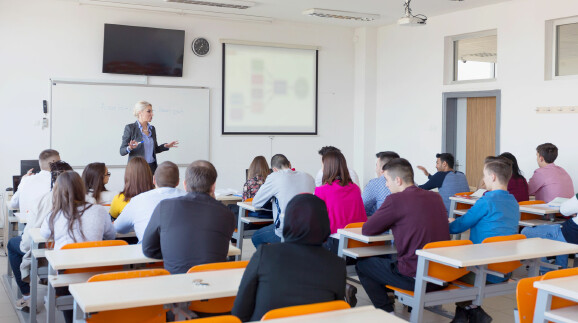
232, 4
345, 15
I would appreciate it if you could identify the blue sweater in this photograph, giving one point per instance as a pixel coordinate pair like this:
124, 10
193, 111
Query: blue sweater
497, 213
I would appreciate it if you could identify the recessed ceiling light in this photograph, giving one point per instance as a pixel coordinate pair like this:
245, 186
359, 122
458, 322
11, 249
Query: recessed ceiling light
335, 14
234, 4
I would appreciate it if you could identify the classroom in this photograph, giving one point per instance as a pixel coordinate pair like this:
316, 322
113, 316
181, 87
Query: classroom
381, 86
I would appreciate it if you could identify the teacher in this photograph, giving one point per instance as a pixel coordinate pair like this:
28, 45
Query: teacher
140, 138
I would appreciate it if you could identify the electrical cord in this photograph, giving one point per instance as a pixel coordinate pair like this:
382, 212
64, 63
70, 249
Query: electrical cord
407, 8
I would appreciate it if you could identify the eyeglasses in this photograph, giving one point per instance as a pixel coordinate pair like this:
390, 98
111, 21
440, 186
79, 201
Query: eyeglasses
107, 174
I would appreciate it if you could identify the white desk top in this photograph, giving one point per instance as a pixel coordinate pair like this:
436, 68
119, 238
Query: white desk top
38, 238
248, 206
365, 314
355, 234
465, 200
566, 286
228, 198
488, 253
541, 209
96, 297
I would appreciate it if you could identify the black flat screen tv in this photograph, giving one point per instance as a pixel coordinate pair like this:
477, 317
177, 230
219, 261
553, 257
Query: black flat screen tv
143, 51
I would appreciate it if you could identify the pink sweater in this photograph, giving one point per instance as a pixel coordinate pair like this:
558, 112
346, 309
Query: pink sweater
344, 204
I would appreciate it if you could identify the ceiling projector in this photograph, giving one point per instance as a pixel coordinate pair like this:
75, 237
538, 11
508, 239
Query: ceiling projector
411, 21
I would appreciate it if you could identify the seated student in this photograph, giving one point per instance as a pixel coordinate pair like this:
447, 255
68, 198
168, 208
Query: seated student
138, 211
549, 180
319, 176
281, 185
296, 272
138, 178
376, 190
567, 232
193, 229
447, 180
416, 217
497, 213
256, 176
517, 185
19, 247
95, 176
342, 196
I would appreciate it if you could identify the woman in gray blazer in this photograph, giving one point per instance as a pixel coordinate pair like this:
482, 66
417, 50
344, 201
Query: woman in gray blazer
140, 138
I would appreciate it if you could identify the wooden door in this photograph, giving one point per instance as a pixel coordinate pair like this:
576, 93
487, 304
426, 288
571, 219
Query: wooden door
480, 136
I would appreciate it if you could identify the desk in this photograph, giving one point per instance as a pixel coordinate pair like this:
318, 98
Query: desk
567, 288
365, 314
168, 289
479, 256
355, 234
229, 199
240, 233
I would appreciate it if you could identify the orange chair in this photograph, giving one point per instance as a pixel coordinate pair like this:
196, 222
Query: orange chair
215, 305
94, 244
463, 206
146, 314
558, 302
215, 319
356, 244
530, 216
509, 266
305, 309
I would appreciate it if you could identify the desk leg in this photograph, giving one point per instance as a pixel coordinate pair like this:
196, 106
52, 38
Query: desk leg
452, 214
241, 232
78, 316
419, 292
342, 244
33, 287
534, 269
543, 304
51, 304
480, 283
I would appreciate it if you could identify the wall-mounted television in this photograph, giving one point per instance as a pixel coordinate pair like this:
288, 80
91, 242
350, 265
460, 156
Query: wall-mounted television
143, 50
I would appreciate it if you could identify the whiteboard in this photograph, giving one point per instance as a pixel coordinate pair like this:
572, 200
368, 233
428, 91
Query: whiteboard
88, 120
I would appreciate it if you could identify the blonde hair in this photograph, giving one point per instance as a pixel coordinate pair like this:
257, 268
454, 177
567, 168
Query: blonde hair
140, 106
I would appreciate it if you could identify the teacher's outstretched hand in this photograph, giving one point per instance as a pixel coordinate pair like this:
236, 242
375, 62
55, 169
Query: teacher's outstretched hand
140, 138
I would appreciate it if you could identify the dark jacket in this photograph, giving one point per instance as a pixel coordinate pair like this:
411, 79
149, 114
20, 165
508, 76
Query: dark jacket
132, 132
296, 272
187, 231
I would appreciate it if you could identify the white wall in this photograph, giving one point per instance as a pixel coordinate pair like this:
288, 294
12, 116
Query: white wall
410, 83
42, 39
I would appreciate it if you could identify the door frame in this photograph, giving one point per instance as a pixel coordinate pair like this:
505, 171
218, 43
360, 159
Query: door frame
449, 114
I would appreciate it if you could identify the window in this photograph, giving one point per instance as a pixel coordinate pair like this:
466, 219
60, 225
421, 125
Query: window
471, 57
567, 49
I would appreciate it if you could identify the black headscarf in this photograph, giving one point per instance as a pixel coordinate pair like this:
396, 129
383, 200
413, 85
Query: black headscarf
306, 220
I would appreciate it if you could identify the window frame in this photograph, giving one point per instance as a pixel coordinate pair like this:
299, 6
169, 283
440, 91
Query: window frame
551, 54
450, 64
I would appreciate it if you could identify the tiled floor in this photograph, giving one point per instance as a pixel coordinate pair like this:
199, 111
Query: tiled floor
500, 308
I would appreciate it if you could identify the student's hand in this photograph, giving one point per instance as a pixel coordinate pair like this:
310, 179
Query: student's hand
425, 172
29, 173
173, 144
450, 220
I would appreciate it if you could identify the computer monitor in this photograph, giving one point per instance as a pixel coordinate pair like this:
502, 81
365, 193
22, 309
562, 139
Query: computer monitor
15, 182
25, 165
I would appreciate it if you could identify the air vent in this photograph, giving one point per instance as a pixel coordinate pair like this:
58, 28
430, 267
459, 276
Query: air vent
233, 4
346, 15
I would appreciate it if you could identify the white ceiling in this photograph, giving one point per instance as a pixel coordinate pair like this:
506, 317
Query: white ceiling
290, 10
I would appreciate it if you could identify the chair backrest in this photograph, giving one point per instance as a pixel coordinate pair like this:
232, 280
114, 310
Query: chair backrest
558, 302
305, 309
526, 295
94, 244
215, 319
462, 194
215, 305
128, 275
356, 244
146, 314
531, 202
508, 266
444, 272
463, 206
218, 266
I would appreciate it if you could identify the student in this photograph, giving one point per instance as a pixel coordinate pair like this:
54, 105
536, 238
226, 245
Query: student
497, 213
567, 232
256, 176
281, 186
296, 272
549, 180
137, 179
376, 190
193, 229
33, 187
138, 211
319, 176
416, 217
19, 247
517, 185
95, 176
341, 195
447, 180
72, 219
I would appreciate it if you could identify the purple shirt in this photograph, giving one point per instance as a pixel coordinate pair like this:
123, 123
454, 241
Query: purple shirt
416, 218
518, 187
344, 204
550, 182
